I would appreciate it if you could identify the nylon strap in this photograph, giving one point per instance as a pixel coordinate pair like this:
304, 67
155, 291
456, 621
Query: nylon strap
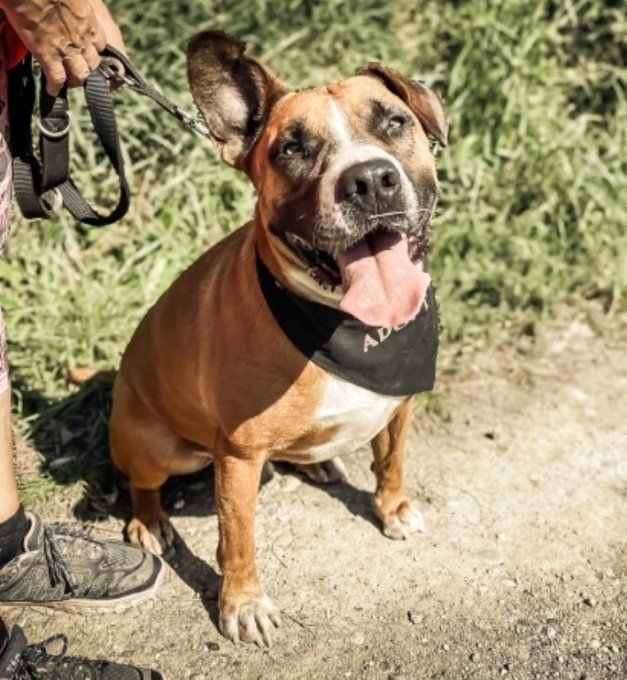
54, 144
100, 105
40, 187
26, 168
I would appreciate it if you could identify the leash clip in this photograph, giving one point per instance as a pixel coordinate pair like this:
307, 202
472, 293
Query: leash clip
112, 68
192, 122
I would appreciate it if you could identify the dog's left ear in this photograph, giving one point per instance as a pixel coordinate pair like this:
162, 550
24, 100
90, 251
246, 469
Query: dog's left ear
424, 102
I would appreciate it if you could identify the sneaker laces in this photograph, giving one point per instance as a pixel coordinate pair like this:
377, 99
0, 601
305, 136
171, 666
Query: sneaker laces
37, 663
57, 568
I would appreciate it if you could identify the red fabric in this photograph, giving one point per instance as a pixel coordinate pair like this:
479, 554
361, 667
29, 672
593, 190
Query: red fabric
15, 48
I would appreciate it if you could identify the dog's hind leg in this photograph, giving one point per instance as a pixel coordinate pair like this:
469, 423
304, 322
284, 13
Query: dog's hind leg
143, 449
150, 526
327, 472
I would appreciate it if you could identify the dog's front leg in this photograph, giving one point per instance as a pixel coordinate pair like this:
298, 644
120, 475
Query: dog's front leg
246, 612
399, 517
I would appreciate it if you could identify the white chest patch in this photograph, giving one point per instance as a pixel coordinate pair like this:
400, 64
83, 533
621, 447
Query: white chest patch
357, 413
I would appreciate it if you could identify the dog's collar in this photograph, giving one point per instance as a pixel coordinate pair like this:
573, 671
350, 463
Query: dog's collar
392, 361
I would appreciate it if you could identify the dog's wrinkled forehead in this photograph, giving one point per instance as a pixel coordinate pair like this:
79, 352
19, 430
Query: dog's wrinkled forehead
333, 118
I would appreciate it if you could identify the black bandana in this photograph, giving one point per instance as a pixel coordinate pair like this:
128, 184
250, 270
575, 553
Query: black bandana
396, 361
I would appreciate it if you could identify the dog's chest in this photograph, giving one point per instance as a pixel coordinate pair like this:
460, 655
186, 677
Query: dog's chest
347, 417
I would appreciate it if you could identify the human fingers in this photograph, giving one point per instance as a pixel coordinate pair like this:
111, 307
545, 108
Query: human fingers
76, 69
54, 72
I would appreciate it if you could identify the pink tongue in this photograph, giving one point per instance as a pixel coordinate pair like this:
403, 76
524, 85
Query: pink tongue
381, 285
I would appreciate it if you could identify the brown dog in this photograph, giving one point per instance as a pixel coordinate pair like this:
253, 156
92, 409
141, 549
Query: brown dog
346, 190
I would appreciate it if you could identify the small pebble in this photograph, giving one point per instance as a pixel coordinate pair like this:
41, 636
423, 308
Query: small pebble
180, 504
415, 617
359, 638
491, 556
589, 601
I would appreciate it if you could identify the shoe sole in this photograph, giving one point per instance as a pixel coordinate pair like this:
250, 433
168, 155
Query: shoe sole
111, 606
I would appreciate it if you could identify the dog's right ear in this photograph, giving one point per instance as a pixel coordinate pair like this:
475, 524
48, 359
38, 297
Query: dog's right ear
233, 91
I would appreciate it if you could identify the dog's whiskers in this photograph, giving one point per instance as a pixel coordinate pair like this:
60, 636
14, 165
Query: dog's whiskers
387, 214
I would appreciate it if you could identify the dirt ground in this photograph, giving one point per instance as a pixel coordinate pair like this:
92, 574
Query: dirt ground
520, 468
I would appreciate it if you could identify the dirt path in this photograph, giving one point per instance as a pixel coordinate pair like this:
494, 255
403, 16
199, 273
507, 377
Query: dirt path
522, 571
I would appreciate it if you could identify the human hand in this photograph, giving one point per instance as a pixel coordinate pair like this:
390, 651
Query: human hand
64, 36
108, 25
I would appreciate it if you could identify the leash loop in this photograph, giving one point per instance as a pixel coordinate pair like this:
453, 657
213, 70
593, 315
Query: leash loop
43, 186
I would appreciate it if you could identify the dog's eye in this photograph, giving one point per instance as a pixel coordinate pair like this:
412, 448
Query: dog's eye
291, 149
396, 123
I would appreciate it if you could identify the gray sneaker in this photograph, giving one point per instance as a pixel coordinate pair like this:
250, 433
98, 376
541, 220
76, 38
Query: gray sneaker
21, 661
66, 567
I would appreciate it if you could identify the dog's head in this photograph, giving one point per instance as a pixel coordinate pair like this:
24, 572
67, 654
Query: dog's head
344, 174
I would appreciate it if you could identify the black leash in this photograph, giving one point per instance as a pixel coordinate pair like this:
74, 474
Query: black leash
129, 74
43, 186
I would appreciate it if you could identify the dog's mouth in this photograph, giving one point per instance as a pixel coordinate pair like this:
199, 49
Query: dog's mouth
378, 274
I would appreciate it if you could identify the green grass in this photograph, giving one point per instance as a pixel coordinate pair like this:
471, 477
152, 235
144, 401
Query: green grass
532, 213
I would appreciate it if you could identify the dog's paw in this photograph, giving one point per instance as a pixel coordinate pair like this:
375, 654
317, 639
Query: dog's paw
249, 620
402, 521
332, 470
155, 537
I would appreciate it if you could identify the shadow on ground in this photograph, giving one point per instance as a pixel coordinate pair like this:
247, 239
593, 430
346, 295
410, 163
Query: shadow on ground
71, 436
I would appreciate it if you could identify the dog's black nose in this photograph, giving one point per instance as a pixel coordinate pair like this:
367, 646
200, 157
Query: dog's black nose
370, 186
